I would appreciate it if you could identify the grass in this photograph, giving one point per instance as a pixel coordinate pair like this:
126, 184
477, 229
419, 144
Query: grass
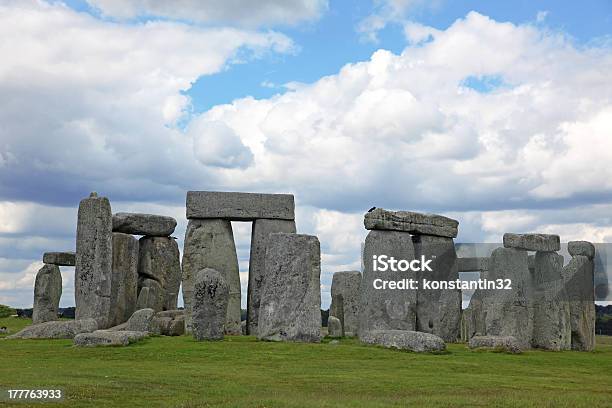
242, 372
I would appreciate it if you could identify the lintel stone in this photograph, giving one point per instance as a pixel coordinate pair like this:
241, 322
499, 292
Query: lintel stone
533, 242
239, 206
412, 222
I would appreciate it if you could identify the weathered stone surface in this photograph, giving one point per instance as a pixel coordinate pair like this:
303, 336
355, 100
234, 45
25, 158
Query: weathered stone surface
290, 308
404, 340
150, 295
243, 327
474, 316
144, 224
119, 327
177, 327
472, 264
47, 293
143, 321
509, 312
578, 279
334, 327
159, 260
506, 343
59, 329
210, 300
261, 229
171, 313
533, 242
210, 244
584, 248
94, 259
124, 285
412, 222
101, 338
60, 258
438, 310
345, 294
239, 206
551, 320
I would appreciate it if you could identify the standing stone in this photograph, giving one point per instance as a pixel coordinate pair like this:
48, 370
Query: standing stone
551, 321
474, 316
334, 327
159, 260
345, 295
210, 301
578, 279
582, 248
438, 310
47, 293
209, 243
387, 309
94, 260
509, 312
261, 229
150, 295
144, 224
290, 308
125, 278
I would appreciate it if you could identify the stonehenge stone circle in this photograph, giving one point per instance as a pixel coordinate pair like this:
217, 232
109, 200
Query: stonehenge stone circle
210, 301
150, 295
584, 248
159, 260
290, 307
124, 278
533, 242
143, 320
412, 222
60, 258
334, 327
387, 309
404, 340
209, 243
345, 296
59, 329
261, 229
506, 343
101, 338
47, 293
94, 258
239, 206
144, 224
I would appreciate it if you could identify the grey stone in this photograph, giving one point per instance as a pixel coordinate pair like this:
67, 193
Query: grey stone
551, 320
243, 327
474, 316
334, 327
159, 260
531, 263
177, 326
387, 309
290, 308
239, 206
533, 242
94, 259
60, 258
412, 222
119, 327
404, 340
101, 338
261, 229
150, 295
472, 264
578, 276
210, 244
438, 310
47, 293
345, 295
581, 248
171, 313
505, 343
124, 295
144, 224
143, 321
59, 329
210, 301
170, 322
509, 312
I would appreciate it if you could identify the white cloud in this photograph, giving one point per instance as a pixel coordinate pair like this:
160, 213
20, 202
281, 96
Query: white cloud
541, 15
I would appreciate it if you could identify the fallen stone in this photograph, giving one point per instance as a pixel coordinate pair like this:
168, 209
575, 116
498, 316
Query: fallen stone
159, 260
60, 258
404, 340
124, 288
239, 206
345, 294
143, 321
210, 244
47, 293
290, 308
578, 276
59, 329
334, 327
261, 229
210, 299
505, 343
533, 242
177, 326
584, 248
108, 338
144, 224
171, 313
94, 260
119, 327
412, 222
472, 264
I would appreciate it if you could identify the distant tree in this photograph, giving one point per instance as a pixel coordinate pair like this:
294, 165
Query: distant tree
324, 317
6, 311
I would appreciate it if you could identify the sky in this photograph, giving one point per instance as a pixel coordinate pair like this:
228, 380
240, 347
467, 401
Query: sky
498, 114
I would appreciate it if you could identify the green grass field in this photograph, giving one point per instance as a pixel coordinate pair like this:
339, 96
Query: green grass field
242, 372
